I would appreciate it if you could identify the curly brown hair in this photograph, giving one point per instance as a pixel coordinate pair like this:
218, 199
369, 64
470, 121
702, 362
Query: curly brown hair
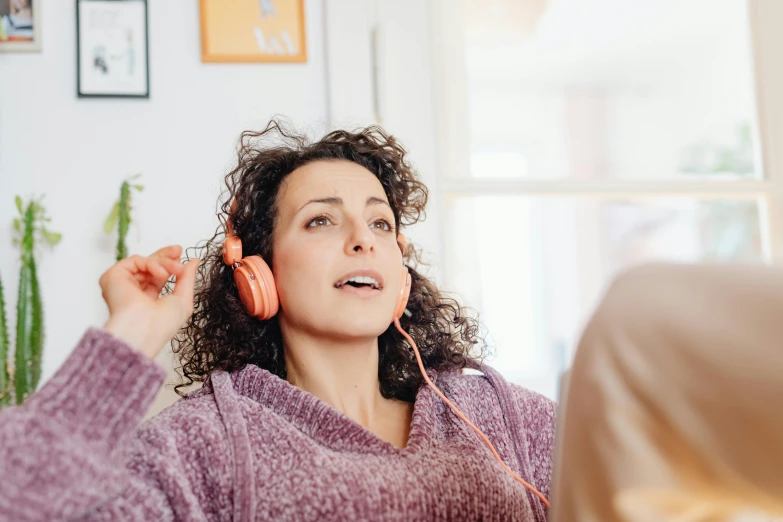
220, 334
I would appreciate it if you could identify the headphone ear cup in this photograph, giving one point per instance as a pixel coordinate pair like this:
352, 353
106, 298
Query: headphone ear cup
405, 292
232, 249
256, 287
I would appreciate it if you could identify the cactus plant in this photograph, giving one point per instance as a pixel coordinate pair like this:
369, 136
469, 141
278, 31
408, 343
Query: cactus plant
5, 375
120, 216
26, 373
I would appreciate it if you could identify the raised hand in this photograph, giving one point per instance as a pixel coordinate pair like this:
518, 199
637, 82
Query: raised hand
131, 288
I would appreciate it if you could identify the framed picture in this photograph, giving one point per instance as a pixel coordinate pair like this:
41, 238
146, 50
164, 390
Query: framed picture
112, 48
253, 31
20, 25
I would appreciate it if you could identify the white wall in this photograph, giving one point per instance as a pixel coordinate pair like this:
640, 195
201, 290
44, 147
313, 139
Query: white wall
391, 84
77, 151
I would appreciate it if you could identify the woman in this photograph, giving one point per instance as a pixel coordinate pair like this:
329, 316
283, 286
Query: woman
314, 409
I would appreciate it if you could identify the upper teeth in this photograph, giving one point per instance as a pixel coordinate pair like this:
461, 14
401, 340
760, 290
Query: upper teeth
366, 280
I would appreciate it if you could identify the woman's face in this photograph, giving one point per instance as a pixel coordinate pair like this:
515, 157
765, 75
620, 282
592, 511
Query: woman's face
334, 221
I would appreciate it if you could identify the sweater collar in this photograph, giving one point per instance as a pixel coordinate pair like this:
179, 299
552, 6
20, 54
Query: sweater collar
326, 424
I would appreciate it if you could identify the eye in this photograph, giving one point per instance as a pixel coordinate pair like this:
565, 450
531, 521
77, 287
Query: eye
382, 224
319, 221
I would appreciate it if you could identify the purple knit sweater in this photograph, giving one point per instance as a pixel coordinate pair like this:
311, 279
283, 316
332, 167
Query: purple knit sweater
250, 446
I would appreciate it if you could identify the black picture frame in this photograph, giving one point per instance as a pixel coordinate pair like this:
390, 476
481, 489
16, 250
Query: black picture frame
142, 87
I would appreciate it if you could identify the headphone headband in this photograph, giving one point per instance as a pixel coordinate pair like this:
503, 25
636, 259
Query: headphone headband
230, 218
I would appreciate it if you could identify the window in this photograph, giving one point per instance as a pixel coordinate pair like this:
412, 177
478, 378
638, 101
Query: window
578, 138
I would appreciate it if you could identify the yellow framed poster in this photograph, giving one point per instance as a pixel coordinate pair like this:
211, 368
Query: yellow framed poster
253, 31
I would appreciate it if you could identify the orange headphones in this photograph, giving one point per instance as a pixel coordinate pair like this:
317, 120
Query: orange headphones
258, 294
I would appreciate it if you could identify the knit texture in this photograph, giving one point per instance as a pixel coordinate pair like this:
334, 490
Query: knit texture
250, 446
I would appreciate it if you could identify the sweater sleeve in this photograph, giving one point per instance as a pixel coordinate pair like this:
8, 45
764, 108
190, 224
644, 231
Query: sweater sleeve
539, 420
61, 452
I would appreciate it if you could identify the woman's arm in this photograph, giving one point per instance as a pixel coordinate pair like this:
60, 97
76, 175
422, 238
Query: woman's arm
74, 452
59, 451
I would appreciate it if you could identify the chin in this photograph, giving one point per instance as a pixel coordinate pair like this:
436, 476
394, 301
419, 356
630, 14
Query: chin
361, 324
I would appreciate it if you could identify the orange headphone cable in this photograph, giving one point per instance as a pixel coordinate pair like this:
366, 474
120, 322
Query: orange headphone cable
461, 416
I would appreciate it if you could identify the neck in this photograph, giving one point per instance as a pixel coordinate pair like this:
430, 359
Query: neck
344, 374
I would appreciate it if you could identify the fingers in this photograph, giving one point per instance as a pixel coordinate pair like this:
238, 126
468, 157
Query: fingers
152, 271
172, 267
166, 258
169, 257
168, 252
157, 269
183, 290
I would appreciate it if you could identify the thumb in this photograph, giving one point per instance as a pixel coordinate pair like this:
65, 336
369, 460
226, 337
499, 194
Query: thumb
183, 288
180, 302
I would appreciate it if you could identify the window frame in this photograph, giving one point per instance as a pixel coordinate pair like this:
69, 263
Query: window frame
450, 95
453, 144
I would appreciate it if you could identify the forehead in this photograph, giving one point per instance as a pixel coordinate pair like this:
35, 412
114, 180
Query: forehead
327, 178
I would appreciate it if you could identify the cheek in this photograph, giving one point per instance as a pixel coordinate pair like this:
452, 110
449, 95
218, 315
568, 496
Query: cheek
398, 281
394, 283
300, 273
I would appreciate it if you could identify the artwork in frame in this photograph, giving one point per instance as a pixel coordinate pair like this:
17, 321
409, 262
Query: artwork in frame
20, 25
253, 31
112, 48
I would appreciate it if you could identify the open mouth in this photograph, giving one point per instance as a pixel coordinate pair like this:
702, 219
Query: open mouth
359, 282
361, 285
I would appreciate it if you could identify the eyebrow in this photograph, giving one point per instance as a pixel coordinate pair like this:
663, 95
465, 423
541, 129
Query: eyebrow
372, 200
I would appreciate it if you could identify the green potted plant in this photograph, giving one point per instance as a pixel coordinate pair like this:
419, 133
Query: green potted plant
19, 381
120, 215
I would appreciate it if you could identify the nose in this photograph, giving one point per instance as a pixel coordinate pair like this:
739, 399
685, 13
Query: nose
361, 238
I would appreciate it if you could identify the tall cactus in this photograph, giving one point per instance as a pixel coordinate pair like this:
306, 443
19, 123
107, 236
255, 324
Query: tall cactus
29, 331
5, 374
124, 220
37, 333
26, 373
120, 216
24, 313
